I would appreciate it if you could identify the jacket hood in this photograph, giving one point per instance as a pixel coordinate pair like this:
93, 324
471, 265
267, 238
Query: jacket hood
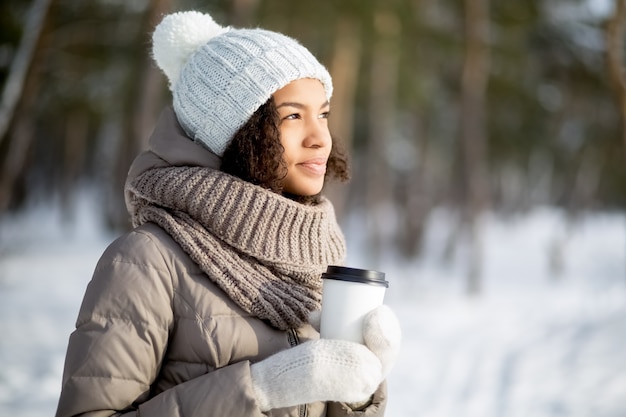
170, 146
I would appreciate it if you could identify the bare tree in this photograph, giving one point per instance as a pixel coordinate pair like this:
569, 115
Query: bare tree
382, 105
14, 85
473, 133
142, 108
242, 11
615, 58
21, 89
344, 69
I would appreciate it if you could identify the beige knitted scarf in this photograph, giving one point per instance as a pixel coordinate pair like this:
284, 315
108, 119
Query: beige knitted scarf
265, 251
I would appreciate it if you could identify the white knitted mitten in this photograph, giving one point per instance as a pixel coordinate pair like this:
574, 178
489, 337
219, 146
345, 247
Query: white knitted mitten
319, 370
382, 334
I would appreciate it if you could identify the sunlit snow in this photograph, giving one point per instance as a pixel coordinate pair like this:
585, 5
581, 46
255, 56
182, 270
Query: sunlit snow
530, 345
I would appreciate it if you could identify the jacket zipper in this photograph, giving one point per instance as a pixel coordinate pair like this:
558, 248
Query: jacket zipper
292, 336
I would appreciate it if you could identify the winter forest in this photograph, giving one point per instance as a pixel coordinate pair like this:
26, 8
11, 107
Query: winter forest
488, 153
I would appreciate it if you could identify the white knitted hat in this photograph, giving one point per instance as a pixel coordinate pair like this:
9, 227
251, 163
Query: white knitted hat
220, 76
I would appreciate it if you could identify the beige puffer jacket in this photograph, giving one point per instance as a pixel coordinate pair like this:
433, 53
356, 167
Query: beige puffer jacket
156, 337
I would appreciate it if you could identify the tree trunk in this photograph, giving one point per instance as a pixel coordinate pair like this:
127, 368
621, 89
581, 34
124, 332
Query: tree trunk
416, 196
20, 93
242, 11
344, 69
139, 118
14, 84
382, 107
615, 58
473, 132
74, 155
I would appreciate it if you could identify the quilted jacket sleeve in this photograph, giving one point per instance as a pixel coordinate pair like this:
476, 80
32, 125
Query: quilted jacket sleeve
121, 335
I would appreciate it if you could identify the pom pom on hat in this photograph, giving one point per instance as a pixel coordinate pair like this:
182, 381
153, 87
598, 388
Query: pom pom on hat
219, 76
177, 37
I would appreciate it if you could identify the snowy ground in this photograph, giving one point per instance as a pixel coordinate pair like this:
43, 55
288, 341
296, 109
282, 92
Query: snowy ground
529, 346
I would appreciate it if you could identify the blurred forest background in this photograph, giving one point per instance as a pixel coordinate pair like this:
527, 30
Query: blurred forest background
473, 106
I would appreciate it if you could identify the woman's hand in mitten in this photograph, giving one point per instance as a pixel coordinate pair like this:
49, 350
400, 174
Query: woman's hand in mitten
319, 370
382, 334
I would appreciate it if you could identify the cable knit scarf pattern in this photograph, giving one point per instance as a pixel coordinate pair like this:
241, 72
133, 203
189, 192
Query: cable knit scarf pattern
265, 251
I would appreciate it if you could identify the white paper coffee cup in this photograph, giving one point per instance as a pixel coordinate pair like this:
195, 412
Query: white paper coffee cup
348, 294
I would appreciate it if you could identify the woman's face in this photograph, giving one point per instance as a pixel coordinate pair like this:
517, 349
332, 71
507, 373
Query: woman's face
303, 111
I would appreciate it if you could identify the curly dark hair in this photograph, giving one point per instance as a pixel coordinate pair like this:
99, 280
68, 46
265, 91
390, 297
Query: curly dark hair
255, 154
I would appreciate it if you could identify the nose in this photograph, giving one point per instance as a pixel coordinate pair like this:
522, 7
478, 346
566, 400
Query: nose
318, 135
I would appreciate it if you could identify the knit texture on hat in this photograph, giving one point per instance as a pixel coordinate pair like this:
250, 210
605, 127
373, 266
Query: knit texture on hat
265, 251
228, 74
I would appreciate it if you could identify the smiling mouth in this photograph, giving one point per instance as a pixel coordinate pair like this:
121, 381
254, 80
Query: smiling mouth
314, 166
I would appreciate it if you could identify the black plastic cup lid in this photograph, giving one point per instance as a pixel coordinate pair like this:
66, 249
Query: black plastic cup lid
364, 276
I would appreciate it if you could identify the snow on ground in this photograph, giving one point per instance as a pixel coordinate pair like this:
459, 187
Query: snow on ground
528, 346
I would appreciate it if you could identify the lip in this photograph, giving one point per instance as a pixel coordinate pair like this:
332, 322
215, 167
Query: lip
316, 166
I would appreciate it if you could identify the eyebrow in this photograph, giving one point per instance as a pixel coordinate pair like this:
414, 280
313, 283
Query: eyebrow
299, 105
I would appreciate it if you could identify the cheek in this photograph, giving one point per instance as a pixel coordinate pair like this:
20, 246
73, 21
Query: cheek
289, 152
288, 157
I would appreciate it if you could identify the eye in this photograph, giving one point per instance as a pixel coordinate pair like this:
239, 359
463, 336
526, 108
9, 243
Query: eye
324, 115
293, 116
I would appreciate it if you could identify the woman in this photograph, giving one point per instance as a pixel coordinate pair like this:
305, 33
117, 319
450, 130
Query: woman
208, 306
